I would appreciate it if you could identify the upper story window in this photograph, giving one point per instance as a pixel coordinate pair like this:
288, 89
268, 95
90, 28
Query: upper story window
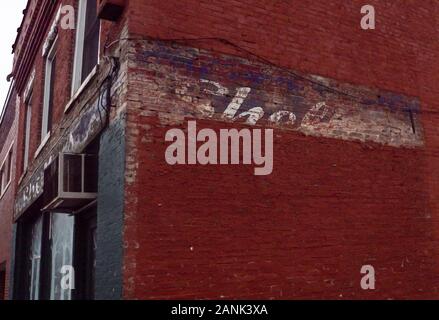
48, 91
26, 131
87, 42
6, 172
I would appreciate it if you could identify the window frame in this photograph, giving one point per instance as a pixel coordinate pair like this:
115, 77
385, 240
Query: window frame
2, 177
35, 274
51, 254
77, 82
46, 124
27, 128
34, 264
6, 171
10, 164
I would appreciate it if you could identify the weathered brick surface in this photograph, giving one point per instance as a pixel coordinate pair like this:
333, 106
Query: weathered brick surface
63, 120
303, 232
62, 88
110, 212
209, 86
71, 130
8, 127
330, 206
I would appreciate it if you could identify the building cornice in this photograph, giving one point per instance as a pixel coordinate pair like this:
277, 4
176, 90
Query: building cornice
36, 21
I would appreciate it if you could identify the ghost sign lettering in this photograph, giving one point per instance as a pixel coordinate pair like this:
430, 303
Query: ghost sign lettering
228, 88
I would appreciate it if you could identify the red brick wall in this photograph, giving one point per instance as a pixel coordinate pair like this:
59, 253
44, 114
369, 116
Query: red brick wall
303, 232
321, 37
330, 206
62, 89
63, 80
9, 128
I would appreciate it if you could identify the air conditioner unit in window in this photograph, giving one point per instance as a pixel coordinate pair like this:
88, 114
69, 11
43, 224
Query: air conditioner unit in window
70, 182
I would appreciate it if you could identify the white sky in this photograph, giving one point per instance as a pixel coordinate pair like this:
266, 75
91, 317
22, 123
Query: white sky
10, 19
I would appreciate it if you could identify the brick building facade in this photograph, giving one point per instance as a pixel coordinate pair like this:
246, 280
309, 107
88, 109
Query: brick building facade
8, 151
355, 171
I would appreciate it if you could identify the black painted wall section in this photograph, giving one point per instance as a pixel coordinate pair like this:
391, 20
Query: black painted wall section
12, 266
110, 215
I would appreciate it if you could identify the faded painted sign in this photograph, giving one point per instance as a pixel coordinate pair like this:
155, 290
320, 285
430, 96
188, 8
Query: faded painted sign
237, 90
335, 119
87, 127
83, 130
30, 193
34, 188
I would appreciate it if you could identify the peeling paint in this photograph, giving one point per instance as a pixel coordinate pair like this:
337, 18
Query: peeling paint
257, 94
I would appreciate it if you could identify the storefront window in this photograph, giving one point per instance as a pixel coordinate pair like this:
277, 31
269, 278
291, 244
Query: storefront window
60, 258
56, 248
61, 253
35, 259
50, 248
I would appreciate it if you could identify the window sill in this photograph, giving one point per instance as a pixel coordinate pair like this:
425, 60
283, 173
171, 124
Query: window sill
42, 145
81, 88
5, 190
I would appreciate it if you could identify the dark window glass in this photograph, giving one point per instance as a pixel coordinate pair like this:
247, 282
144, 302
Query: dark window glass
91, 174
51, 94
91, 39
9, 168
72, 172
26, 132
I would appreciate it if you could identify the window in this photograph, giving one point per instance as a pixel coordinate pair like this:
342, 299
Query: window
2, 178
49, 248
61, 226
9, 167
5, 172
34, 258
28, 118
54, 241
50, 242
87, 42
48, 91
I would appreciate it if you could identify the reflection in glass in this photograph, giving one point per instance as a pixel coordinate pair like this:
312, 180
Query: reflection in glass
62, 253
35, 258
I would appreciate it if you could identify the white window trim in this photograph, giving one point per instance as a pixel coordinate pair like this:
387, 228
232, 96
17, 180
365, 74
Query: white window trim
29, 86
79, 47
42, 145
47, 81
2, 167
27, 124
53, 33
1, 183
81, 88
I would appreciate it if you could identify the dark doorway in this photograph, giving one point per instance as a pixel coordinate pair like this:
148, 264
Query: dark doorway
85, 256
3, 281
